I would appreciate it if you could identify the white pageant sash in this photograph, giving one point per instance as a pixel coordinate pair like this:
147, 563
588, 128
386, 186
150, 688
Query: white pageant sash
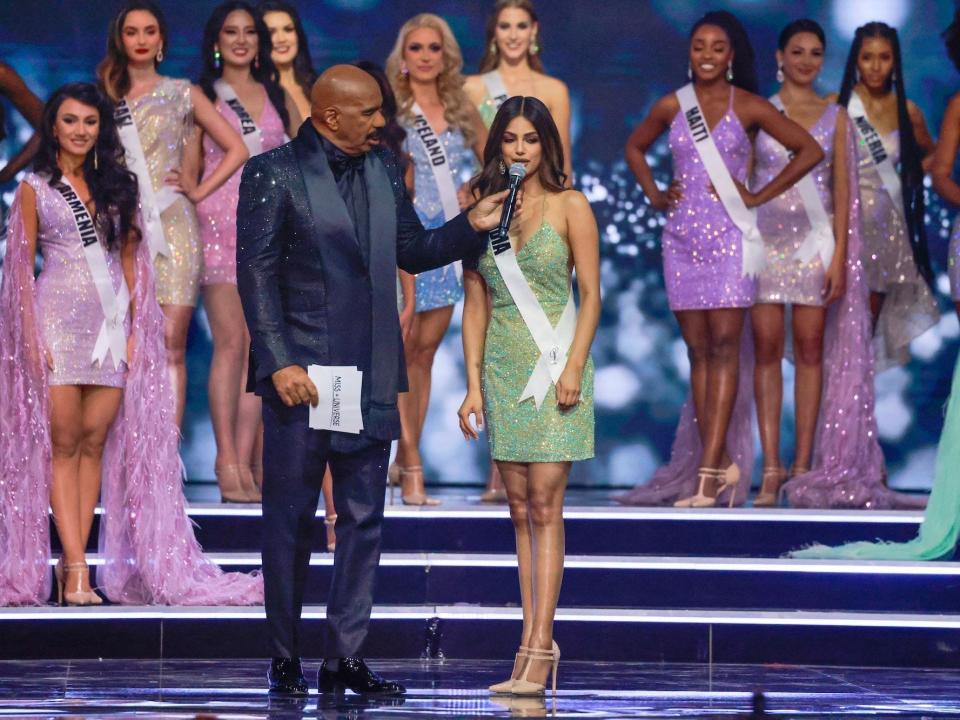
111, 338
754, 254
152, 202
496, 88
874, 142
252, 137
440, 165
552, 342
820, 240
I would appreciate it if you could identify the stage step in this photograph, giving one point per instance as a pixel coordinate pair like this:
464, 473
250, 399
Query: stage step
589, 530
481, 631
706, 583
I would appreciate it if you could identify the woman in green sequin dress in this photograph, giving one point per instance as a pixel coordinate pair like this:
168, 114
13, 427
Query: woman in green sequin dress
533, 447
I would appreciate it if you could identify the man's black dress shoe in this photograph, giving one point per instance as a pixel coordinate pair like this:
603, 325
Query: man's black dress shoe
353, 674
286, 678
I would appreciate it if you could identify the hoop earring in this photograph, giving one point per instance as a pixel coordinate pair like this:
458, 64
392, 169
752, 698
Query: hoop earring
780, 76
730, 72
160, 56
689, 71
217, 62
501, 166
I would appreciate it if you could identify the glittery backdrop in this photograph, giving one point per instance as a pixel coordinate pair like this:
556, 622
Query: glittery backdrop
617, 57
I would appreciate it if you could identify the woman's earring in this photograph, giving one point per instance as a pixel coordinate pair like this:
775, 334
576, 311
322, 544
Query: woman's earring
502, 167
689, 71
160, 55
493, 47
730, 72
535, 47
96, 163
217, 62
780, 75
893, 76
404, 70
256, 61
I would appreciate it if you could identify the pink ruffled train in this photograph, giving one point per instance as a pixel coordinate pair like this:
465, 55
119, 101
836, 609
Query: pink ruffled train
150, 552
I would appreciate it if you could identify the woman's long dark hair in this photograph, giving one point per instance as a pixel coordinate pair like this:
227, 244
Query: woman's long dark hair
911, 170
112, 186
262, 70
112, 71
744, 59
303, 71
392, 134
552, 177
491, 57
951, 38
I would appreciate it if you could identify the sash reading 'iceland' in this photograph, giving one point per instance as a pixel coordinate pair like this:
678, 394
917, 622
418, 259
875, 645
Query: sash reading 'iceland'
754, 255
252, 136
552, 342
152, 202
819, 240
441, 168
111, 338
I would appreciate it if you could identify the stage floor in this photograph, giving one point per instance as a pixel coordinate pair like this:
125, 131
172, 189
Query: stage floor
235, 688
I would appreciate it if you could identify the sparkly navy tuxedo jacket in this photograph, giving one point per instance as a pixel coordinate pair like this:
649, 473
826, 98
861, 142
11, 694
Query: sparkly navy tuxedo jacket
312, 293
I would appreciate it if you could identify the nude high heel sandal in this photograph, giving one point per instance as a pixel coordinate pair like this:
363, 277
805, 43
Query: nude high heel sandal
766, 498
249, 485
330, 523
418, 498
526, 687
230, 484
507, 685
74, 597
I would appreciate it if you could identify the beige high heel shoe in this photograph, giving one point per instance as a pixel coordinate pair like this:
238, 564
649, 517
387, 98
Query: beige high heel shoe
74, 597
417, 498
766, 498
231, 484
393, 474
728, 479
249, 485
507, 685
330, 523
523, 686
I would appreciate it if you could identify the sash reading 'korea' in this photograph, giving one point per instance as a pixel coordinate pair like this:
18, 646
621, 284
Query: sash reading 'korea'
552, 342
496, 88
442, 170
874, 142
819, 240
152, 202
111, 338
754, 255
252, 137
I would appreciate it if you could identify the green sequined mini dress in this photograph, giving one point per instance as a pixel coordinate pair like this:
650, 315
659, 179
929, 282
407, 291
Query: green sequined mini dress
518, 431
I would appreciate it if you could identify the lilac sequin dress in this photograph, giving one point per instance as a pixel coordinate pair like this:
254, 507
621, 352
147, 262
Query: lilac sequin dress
783, 221
909, 308
218, 212
702, 247
69, 313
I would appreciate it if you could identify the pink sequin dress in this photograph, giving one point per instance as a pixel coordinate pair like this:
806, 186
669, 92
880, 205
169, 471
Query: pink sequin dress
783, 221
218, 212
702, 247
69, 313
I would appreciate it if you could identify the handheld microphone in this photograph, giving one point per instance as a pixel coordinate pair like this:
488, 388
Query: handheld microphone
517, 173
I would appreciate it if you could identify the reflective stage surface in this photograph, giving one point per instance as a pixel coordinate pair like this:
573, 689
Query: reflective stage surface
235, 688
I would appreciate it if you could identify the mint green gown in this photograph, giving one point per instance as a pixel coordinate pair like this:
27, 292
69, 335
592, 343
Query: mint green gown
518, 432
